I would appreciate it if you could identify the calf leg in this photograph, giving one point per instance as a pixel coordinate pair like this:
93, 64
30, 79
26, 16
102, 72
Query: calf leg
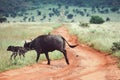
47, 56
65, 55
15, 54
20, 55
12, 55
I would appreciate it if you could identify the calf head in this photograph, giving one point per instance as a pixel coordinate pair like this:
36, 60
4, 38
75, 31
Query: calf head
10, 48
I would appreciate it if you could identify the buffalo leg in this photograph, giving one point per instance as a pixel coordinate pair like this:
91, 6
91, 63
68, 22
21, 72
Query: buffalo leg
23, 54
38, 55
47, 56
65, 55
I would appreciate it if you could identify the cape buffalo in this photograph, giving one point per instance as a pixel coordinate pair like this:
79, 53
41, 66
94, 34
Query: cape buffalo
48, 43
16, 50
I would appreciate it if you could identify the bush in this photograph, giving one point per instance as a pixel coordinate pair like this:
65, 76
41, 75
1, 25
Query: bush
115, 47
70, 16
83, 24
114, 9
96, 20
3, 19
107, 19
39, 13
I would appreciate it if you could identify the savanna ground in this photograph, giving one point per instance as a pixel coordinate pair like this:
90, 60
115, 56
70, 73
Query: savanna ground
85, 62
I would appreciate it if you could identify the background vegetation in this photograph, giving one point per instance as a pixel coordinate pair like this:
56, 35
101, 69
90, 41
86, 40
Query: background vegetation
24, 10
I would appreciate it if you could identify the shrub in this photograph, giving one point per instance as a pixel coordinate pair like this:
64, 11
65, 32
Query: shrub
107, 19
116, 46
96, 20
70, 16
83, 24
66, 7
39, 13
114, 9
3, 19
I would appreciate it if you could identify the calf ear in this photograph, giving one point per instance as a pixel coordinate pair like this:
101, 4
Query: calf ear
25, 42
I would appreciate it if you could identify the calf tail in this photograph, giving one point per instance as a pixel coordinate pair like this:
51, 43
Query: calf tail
72, 46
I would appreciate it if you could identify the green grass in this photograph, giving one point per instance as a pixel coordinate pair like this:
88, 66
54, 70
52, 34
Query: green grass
15, 34
98, 36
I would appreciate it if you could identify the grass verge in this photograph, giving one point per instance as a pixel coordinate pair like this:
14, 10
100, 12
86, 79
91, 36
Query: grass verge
98, 36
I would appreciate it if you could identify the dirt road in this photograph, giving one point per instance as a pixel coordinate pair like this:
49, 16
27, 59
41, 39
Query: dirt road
85, 64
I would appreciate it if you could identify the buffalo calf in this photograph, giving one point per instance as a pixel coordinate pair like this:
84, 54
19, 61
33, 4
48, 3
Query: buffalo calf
16, 50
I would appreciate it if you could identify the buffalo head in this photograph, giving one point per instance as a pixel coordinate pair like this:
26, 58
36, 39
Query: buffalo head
28, 46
